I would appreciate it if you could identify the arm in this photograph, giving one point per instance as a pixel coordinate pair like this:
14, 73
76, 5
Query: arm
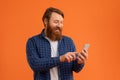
76, 67
37, 63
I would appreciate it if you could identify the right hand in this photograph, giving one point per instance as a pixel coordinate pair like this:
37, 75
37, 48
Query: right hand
68, 57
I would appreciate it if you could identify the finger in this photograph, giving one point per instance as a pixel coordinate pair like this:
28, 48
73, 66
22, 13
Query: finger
86, 51
81, 56
76, 54
84, 54
73, 56
80, 60
68, 59
70, 56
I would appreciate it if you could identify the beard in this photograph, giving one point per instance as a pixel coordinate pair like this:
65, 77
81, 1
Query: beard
54, 33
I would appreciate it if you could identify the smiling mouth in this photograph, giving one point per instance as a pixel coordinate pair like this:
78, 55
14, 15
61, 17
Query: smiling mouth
57, 30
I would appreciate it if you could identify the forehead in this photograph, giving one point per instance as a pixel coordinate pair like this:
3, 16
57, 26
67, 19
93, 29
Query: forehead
56, 16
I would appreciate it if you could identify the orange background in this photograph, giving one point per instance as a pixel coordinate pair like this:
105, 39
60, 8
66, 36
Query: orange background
86, 21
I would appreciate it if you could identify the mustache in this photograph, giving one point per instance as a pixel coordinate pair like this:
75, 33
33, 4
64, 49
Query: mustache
57, 28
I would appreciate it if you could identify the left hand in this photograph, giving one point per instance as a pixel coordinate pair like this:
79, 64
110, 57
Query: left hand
82, 56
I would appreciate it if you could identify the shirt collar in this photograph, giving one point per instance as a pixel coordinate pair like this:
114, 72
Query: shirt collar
43, 33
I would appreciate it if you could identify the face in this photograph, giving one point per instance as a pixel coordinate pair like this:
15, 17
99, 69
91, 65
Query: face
54, 27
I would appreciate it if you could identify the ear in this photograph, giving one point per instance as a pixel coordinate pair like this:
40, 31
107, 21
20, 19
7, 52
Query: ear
45, 22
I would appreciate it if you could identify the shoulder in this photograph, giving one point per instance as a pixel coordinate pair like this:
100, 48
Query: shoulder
68, 42
67, 39
34, 39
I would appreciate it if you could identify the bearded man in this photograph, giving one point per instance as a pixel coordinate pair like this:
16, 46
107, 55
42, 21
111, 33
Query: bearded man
51, 55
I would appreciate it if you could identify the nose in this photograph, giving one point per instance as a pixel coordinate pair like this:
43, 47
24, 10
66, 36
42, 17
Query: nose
60, 25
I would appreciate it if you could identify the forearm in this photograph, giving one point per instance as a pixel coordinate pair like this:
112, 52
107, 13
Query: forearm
77, 67
43, 64
36, 62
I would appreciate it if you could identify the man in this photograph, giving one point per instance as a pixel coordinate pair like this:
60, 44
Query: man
51, 55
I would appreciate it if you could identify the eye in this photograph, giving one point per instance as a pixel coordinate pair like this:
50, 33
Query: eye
56, 21
61, 22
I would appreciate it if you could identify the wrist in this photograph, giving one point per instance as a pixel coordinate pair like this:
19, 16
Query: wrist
61, 59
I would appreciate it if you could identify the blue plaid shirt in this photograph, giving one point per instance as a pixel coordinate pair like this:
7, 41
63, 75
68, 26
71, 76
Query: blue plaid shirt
38, 52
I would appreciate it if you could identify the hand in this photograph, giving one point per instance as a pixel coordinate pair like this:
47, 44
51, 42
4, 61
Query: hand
68, 57
82, 56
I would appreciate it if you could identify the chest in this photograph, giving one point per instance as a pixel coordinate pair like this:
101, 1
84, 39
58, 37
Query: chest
45, 49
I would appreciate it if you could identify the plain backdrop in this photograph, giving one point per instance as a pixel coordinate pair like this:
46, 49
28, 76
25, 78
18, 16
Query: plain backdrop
86, 21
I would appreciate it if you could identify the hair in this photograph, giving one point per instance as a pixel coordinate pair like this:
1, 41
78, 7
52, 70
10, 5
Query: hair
49, 11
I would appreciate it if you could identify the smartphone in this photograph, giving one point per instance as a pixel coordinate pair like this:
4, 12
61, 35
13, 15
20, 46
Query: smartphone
86, 46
